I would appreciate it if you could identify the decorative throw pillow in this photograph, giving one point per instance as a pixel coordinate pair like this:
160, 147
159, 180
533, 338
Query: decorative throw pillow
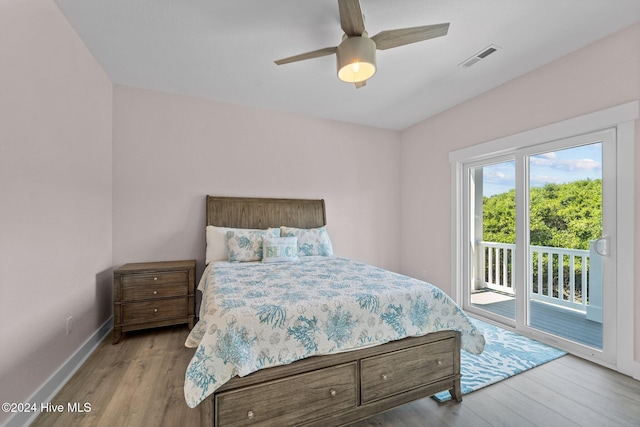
311, 241
279, 249
246, 245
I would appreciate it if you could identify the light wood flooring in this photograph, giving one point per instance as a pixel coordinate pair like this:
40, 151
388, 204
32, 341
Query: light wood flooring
138, 382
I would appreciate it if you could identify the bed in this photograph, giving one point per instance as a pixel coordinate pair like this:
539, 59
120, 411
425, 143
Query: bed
317, 340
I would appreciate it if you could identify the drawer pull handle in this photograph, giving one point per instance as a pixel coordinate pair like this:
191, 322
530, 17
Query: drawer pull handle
155, 278
250, 414
155, 310
333, 393
155, 292
384, 377
439, 362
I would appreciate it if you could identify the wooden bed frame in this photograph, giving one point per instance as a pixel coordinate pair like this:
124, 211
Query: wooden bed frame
335, 389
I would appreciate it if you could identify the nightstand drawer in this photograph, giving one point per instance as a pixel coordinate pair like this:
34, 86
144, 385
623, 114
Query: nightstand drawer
155, 310
153, 290
157, 278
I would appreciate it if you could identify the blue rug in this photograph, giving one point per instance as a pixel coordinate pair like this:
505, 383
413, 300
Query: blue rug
505, 354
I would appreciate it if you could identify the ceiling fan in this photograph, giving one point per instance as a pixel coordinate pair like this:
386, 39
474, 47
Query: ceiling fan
356, 54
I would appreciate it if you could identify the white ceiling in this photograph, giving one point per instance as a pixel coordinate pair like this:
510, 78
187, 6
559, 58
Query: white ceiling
224, 50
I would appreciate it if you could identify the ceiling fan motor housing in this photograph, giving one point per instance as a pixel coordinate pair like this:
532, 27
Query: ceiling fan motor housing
356, 57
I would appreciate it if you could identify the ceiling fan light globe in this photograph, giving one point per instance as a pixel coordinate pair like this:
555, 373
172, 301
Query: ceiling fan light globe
356, 59
356, 72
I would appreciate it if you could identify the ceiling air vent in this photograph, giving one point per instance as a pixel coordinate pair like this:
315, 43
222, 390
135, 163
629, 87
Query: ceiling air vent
479, 56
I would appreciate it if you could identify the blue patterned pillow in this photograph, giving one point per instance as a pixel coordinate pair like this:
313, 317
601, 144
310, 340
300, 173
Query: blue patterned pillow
246, 245
280, 249
311, 241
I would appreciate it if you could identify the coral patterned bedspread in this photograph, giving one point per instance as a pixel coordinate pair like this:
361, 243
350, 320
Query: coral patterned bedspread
256, 315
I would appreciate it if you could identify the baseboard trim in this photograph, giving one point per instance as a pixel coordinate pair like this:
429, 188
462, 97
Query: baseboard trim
52, 386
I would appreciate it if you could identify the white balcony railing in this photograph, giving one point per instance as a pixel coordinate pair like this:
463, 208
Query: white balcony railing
558, 276
495, 266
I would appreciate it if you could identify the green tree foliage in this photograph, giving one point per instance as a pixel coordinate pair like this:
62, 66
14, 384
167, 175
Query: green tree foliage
562, 215
499, 218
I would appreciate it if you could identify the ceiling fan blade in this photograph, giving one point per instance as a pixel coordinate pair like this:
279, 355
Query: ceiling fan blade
351, 19
394, 38
308, 55
361, 84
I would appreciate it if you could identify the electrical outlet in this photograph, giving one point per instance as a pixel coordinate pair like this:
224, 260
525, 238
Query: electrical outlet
69, 324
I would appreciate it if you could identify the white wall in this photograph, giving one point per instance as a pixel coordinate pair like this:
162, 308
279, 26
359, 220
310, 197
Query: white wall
170, 151
601, 75
55, 195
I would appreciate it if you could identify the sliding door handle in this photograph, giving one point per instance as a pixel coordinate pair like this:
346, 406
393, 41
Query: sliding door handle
601, 246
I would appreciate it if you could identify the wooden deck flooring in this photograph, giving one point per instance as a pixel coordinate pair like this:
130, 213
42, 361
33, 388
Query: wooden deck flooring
139, 383
555, 320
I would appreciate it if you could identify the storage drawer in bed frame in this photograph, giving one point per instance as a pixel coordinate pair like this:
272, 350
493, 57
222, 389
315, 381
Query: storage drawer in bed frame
342, 388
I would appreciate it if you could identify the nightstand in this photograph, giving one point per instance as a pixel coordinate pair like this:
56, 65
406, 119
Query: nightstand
153, 294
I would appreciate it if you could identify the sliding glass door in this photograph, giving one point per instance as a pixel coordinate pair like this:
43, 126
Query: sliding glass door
539, 229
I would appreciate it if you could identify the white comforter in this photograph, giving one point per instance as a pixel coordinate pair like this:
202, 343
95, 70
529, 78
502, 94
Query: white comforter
256, 315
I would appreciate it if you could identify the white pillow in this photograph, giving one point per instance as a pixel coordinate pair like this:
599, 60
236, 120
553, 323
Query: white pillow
280, 249
217, 244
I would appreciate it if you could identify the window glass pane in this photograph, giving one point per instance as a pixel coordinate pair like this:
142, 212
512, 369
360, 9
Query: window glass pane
494, 228
565, 216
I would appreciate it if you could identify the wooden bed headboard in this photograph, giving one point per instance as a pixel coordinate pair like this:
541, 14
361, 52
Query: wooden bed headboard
261, 213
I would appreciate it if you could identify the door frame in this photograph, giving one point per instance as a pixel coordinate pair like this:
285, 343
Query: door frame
621, 118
